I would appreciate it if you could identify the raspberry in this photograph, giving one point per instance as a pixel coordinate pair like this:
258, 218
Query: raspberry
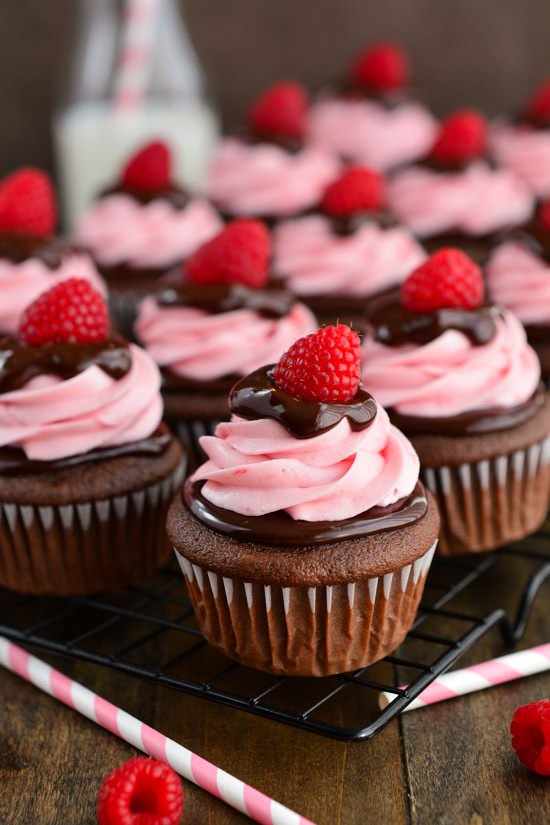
544, 216
142, 791
322, 366
150, 169
27, 203
238, 254
462, 136
70, 311
530, 731
447, 279
356, 190
384, 67
280, 112
538, 106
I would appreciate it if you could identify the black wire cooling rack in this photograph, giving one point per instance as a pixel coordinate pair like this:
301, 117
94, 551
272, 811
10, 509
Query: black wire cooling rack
150, 632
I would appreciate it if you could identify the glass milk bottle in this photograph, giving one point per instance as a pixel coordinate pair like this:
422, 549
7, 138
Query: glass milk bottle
135, 78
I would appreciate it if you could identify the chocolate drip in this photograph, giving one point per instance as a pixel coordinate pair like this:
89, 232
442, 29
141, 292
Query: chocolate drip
18, 247
19, 363
13, 460
474, 422
271, 301
173, 195
280, 529
257, 396
394, 326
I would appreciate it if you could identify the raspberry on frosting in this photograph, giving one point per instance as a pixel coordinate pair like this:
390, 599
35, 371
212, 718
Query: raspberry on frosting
280, 112
530, 729
383, 67
27, 203
322, 366
149, 169
142, 791
238, 254
538, 107
462, 137
71, 311
449, 278
356, 190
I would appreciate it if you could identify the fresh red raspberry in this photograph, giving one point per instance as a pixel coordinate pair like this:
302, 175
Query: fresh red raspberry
27, 203
530, 731
544, 216
449, 278
70, 311
462, 136
538, 106
356, 190
280, 111
384, 67
142, 791
322, 366
238, 254
150, 169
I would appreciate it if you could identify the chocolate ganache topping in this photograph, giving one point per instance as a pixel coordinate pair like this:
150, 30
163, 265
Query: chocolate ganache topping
19, 363
257, 396
272, 301
173, 195
18, 247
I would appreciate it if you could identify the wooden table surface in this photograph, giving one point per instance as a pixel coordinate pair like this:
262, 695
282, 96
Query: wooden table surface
450, 764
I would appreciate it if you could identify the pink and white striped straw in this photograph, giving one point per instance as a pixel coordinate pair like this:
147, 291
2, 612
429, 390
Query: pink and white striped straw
136, 53
479, 677
254, 804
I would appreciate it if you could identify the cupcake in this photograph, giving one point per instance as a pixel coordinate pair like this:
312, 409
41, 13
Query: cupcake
306, 536
522, 144
459, 378
32, 259
454, 196
518, 277
143, 226
86, 467
347, 251
269, 172
216, 320
373, 119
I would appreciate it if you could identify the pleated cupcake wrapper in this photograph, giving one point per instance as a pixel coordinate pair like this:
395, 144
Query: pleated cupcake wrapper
488, 503
123, 307
75, 549
308, 631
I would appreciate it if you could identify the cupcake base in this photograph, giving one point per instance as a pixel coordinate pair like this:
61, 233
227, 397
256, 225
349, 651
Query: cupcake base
87, 528
308, 611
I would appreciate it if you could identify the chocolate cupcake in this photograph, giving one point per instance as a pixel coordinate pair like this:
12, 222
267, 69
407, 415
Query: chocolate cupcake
306, 537
141, 227
86, 467
372, 117
269, 172
217, 319
32, 259
459, 378
345, 252
455, 196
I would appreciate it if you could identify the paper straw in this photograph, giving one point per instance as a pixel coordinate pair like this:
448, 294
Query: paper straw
226, 787
135, 55
479, 677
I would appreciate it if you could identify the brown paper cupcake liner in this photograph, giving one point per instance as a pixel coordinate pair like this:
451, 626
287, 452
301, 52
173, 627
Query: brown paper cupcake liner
488, 503
77, 549
307, 631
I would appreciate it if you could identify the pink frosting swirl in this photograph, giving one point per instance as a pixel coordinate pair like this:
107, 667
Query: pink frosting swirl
477, 201
450, 375
203, 347
21, 283
118, 229
365, 132
526, 151
520, 280
262, 179
257, 467
313, 260
51, 419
